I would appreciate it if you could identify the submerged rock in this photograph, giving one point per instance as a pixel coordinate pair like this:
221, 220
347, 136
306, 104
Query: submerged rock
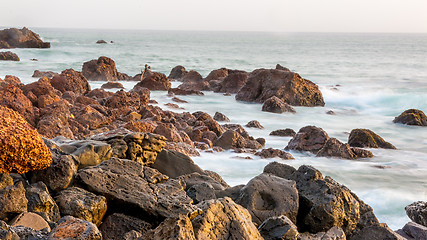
271, 153
412, 117
193, 81
334, 148
233, 82
110, 85
21, 38
366, 138
283, 133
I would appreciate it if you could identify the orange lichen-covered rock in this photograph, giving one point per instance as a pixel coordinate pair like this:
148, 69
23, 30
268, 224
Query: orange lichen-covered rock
21, 147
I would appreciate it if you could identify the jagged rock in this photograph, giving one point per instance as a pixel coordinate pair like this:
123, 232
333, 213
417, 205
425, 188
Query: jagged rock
201, 192
110, 85
98, 94
267, 195
6, 233
376, 232
366, 138
133, 99
5, 180
91, 118
233, 82
283, 133
21, 38
279, 169
288, 86
74, 228
417, 212
217, 74
278, 228
309, 138
224, 219
276, 105
412, 117
254, 124
414, 231
11, 96
70, 80
144, 147
272, 153
280, 67
220, 117
40, 74
21, 147
30, 220
216, 177
169, 131
178, 91
136, 189
193, 81
334, 148
9, 56
155, 81
175, 164
231, 192
40, 202
101, 69
12, 201
82, 204
115, 226
179, 228
230, 139
177, 72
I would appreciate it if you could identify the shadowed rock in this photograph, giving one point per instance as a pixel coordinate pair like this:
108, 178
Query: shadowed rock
366, 138
278, 227
9, 56
334, 148
177, 72
309, 138
283, 132
155, 81
117, 225
272, 153
417, 212
276, 105
412, 117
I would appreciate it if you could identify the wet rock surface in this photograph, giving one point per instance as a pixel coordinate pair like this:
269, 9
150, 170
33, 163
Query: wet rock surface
412, 117
365, 138
8, 56
276, 105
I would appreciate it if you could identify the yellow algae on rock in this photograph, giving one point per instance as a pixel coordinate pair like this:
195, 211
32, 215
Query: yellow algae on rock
21, 147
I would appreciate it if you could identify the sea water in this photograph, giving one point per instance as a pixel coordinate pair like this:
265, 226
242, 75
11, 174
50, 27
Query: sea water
366, 79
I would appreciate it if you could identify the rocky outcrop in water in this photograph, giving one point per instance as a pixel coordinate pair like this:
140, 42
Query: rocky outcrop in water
276, 105
110, 85
155, 81
193, 81
40, 74
177, 73
366, 138
21, 38
412, 117
8, 56
102, 69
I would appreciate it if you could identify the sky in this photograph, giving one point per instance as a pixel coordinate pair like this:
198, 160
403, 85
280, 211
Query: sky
221, 15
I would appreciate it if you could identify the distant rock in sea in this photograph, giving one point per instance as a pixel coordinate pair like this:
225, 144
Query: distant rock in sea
8, 56
412, 117
21, 38
101, 42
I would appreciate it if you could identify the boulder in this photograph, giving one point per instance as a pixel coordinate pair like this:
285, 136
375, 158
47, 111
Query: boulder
5, 180
97, 94
280, 67
169, 131
309, 138
144, 147
287, 86
272, 153
178, 91
31, 220
334, 233
216, 177
40, 202
40, 74
21, 147
276, 105
74, 228
8, 56
412, 117
201, 192
230, 139
101, 69
82, 204
12, 201
29, 233
334, 148
70, 80
122, 99
11, 96
224, 219
193, 81
365, 138
254, 124
91, 119
231, 192
233, 82
175, 99
115, 226
101, 42
177, 72
155, 81
413, 230
220, 117
267, 195
283, 132
217, 74
196, 178
175, 164
376, 232
6, 233
278, 227
178, 228
279, 169
110, 85
21, 38
417, 212
137, 190
9, 79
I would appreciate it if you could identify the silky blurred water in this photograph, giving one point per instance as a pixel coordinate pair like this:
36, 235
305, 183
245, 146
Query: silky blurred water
366, 79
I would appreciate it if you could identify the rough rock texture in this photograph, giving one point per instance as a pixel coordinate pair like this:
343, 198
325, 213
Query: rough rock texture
41, 93
175, 164
193, 81
309, 138
201, 192
29, 233
110, 85
412, 117
115, 226
276, 105
21, 147
40, 202
137, 190
31, 220
232, 139
233, 82
414, 231
283, 132
74, 228
267, 195
21, 38
224, 219
6, 233
40, 74
12, 201
376, 232
177, 72
279, 169
254, 124
278, 228
8, 56
366, 138
221, 117
271, 153
334, 148
417, 212
179, 228
195, 178
280, 67
288, 86
335, 233
101, 69
155, 81
11, 96
70, 80
178, 91
82, 204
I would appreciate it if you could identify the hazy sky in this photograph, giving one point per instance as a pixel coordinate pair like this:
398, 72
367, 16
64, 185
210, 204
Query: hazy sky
227, 15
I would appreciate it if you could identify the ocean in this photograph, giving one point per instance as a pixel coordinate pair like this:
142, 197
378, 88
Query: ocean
366, 79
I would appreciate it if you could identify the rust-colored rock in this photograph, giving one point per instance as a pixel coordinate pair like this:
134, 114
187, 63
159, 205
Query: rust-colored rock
309, 138
43, 91
70, 80
178, 91
39, 74
110, 85
74, 228
101, 69
193, 81
177, 72
271, 153
21, 147
21, 38
11, 96
276, 105
155, 81
233, 82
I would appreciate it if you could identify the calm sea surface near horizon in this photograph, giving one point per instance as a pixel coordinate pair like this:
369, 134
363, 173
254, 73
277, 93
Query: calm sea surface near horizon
366, 79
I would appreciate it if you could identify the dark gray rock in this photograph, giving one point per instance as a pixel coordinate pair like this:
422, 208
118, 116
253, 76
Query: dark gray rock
415, 231
29, 233
283, 132
196, 178
231, 192
278, 228
254, 124
334, 148
175, 164
417, 212
376, 232
365, 138
276, 105
412, 117
6, 233
117, 225
279, 169
201, 192
221, 117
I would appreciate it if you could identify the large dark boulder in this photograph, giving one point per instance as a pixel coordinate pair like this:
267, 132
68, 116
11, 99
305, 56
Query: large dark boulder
8, 56
70, 80
417, 212
155, 81
177, 72
366, 138
193, 81
413, 230
175, 164
290, 87
233, 82
278, 228
412, 117
334, 148
115, 226
101, 69
21, 38
276, 105
309, 138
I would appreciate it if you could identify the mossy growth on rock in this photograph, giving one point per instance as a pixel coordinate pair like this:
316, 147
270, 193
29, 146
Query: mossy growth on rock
21, 147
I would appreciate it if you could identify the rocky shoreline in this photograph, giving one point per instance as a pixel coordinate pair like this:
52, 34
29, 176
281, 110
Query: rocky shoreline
104, 165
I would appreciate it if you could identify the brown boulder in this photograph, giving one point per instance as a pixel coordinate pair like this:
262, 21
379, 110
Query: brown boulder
8, 56
309, 138
169, 131
178, 91
290, 87
12, 201
40, 74
121, 99
283, 132
254, 124
272, 153
334, 148
233, 82
98, 94
74, 228
70, 80
8, 79
193, 81
230, 139
175, 164
115, 226
276, 105
91, 119
366, 138
54, 120
41, 88
21, 147
110, 85
177, 72
155, 81
21, 38
11, 96
177, 228
217, 74
220, 117
412, 117
101, 69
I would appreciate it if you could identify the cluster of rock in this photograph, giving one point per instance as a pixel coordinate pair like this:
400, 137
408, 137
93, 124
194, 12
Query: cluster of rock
21, 38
